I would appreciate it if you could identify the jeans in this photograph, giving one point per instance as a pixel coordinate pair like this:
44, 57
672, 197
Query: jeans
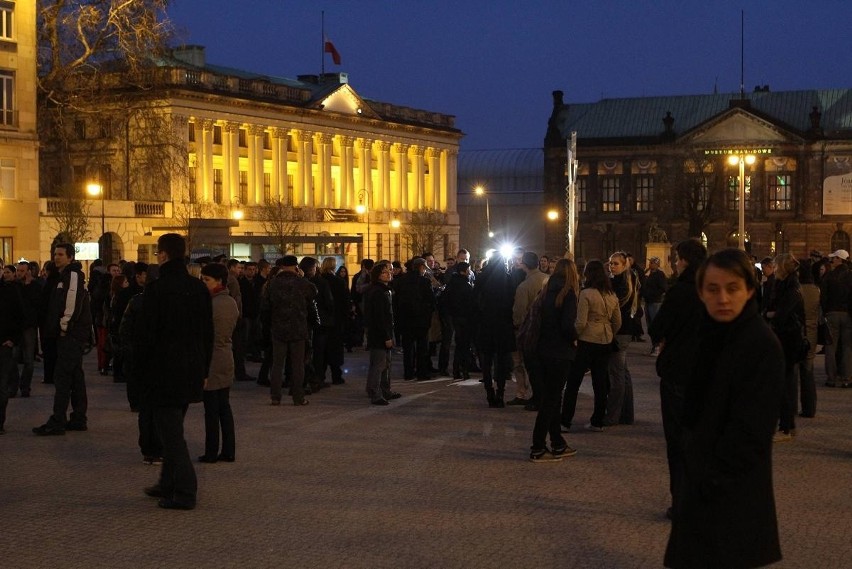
619, 405
70, 382
378, 375
217, 413
838, 354
177, 476
807, 386
592, 357
294, 352
554, 373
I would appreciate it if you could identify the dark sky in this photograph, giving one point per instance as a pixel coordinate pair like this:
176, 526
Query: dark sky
493, 64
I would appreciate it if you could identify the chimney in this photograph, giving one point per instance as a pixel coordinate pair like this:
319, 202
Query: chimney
191, 54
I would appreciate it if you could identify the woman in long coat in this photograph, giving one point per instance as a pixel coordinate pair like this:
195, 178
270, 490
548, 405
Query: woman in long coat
217, 386
495, 339
725, 512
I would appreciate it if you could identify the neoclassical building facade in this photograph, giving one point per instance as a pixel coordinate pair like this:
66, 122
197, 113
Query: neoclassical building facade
347, 176
19, 197
662, 164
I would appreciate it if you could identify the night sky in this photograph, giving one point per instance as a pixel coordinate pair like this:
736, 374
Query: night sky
493, 64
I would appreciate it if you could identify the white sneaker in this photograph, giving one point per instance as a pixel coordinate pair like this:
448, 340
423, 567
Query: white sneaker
594, 429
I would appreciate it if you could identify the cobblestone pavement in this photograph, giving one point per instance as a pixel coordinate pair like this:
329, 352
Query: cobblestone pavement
436, 479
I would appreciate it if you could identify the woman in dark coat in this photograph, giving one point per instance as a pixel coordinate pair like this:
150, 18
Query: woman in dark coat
725, 513
495, 340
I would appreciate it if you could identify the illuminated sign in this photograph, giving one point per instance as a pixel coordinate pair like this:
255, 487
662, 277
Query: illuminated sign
729, 151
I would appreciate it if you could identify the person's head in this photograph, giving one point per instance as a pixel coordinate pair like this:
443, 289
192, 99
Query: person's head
222, 259
140, 273
309, 267
263, 267
566, 271
288, 264
63, 254
544, 264
234, 267
726, 282
34, 268
594, 276
838, 258
806, 271
329, 265
250, 270
343, 272
654, 263
9, 272
767, 265
689, 253
381, 272
397, 268
418, 264
367, 264
463, 268
117, 283
430, 260
517, 256
618, 263
214, 276
785, 265
529, 261
23, 273
194, 269
113, 270
170, 247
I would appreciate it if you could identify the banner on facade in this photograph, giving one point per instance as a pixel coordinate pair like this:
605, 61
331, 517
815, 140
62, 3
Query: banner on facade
837, 195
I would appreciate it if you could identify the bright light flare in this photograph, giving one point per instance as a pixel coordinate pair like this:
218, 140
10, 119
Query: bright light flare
506, 250
94, 189
552, 215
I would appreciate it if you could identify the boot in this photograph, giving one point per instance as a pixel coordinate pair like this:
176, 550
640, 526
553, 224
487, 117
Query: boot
499, 403
492, 401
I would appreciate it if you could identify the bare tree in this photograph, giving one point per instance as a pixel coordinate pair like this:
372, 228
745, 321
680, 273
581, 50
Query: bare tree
280, 221
689, 192
424, 230
70, 217
189, 216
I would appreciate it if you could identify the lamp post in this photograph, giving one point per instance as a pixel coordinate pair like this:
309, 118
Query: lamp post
741, 160
480, 191
362, 208
95, 189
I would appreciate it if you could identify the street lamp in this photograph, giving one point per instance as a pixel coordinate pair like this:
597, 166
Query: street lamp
480, 191
552, 215
238, 214
741, 160
95, 189
362, 208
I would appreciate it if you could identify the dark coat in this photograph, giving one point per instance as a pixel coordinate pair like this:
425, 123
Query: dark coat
558, 332
627, 301
342, 301
458, 297
725, 514
654, 286
285, 306
835, 288
69, 316
378, 315
12, 310
413, 301
325, 302
495, 298
677, 324
177, 337
249, 297
788, 320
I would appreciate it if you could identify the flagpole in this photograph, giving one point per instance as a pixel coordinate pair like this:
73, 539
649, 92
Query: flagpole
322, 46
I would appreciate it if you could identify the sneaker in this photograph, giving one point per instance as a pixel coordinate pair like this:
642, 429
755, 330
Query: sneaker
152, 460
782, 437
380, 401
563, 451
594, 428
48, 429
544, 456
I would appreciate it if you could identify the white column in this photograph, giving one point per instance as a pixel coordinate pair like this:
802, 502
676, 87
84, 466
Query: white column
323, 191
365, 180
433, 190
256, 161
418, 197
383, 163
347, 187
279, 165
402, 175
231, 160
205, 161
305, 139
449, 179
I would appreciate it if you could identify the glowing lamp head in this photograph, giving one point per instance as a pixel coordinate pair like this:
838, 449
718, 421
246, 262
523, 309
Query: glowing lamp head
361, 209
552, 215
750, 159
238, 214
479, 190
94, 189
490, 234
395, 223
733, 159
506, 250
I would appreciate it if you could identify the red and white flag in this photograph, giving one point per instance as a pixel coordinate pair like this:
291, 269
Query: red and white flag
329, 48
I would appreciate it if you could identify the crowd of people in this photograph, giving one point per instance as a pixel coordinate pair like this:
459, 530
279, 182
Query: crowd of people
735, 342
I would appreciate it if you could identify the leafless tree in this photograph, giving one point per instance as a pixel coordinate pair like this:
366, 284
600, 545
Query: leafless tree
188, 216
280, 221
424, 230
70, 217
690, 193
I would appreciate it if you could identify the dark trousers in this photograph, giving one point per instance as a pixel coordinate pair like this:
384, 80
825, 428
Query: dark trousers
217, 413
70, 382
238, 347
789, 404
24, 380
535, 373
292, 353
415, 354
333, 354
48, 355
6, 365
592, 357
496, 368
807, 386
671, 407
461, 355
553, 375
177, 476
446, 340
319, 346
149, 439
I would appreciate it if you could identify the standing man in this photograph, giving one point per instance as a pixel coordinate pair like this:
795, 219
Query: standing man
835, 300
11, 308
534, 280
31, 295
413, 307
69, 322
653, 289
177, 344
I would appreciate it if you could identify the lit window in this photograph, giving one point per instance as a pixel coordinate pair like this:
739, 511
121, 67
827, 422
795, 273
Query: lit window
243, 187
780, 191
267, 187
700, 196
7, 19
644, 186
610, 194
582, 194
734, 190
7, 104
217, 185
7, 179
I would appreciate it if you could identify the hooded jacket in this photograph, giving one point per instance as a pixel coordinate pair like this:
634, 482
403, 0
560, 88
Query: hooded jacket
68, 311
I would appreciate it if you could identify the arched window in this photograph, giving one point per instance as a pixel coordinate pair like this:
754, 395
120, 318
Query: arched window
839, 240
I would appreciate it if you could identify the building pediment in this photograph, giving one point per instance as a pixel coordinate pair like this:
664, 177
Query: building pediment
344, 100
736, 127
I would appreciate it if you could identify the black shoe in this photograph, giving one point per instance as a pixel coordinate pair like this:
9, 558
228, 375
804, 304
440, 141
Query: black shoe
392, 395
340, 381
300, 402
518, 401
154, 491
48, 429
263, 382
169, 504
246, 378
443, 372
76, 426
457, 375
207, 459
531, 406
225, 458
379, 401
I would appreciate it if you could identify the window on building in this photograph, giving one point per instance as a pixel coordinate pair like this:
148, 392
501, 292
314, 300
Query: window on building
190, 131
243, 187
193, 185
734, 190
7, 20
582, 195
379, 246
610, 194
780, 191
839, 240
644, 188
7, 179
6, 249
242, 138
267, 187
217, 134
7, 104
290, 182
217, 185
80, 129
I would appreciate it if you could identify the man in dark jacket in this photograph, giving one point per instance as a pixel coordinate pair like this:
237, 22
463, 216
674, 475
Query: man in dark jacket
69, 322
11, 328
675, 330
175, 354
342, 308
379, 322
835, 290
413, 307
31, 295
285, 306
460, 304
